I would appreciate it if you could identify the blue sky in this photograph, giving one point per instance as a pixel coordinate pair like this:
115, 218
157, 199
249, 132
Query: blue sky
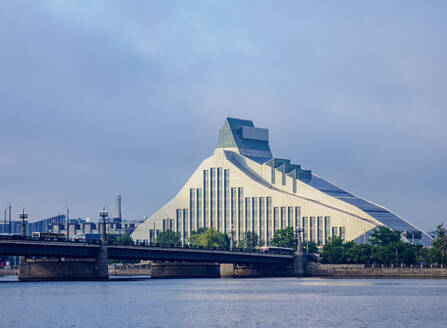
107, 97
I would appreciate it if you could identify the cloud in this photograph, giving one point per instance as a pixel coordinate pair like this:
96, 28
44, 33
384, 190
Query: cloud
99, 98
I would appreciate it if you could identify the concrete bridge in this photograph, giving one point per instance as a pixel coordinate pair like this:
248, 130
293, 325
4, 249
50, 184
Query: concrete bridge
63, 260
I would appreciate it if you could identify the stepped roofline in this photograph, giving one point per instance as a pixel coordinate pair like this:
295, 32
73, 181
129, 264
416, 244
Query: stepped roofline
246, 139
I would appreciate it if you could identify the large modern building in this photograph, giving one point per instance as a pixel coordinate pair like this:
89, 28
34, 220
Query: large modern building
242, 187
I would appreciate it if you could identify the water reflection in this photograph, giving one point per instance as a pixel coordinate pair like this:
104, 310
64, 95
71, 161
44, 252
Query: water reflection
277, 302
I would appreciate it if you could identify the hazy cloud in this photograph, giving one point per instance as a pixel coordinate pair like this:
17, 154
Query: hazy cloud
107, 97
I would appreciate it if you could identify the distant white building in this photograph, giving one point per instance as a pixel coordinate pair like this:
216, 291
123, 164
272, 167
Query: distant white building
244, 188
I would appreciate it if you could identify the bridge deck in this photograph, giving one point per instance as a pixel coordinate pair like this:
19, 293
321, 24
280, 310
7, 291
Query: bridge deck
129, 252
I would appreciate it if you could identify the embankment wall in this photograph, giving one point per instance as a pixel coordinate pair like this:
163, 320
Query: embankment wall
360, 271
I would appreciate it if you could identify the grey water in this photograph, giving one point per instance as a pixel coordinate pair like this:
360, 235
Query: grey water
275, 302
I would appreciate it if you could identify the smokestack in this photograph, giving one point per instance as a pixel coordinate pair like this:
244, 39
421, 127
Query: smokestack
118, 207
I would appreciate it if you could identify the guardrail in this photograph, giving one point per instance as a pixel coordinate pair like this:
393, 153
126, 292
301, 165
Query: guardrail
139, 244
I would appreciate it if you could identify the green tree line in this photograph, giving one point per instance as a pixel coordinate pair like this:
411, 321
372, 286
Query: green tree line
386, 247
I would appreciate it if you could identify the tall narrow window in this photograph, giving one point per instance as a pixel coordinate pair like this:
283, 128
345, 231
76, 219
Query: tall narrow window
320, 230
248, 214
275, 220
289, 216
205, 198
312, 228
335, 231
268, 220
297, 217
177, 220
199, 208
305, 228
233, 207
226, 220
261, 218
254, 214
343, 233
283, 217
240, 214
327, 228
212, 197
185, 218
192, 209
219, 222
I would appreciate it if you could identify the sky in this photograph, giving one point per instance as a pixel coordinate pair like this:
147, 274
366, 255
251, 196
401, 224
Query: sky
99, 98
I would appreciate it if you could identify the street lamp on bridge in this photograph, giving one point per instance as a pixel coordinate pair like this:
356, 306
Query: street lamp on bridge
232, 237
23, 216
298, 232
103, 214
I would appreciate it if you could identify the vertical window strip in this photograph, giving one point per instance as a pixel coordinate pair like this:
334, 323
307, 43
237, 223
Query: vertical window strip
219, 200
327, 228
261, 218
240, 215
226, 200
254, 215
205, 198
268, 220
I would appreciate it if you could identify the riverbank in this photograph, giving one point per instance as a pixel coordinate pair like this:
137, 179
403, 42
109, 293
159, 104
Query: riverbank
362, 271
8, 272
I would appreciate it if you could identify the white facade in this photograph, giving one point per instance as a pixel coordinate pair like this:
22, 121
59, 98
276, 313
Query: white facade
241, 186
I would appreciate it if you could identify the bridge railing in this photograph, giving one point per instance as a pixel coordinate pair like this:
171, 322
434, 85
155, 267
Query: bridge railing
139, 244
65, 240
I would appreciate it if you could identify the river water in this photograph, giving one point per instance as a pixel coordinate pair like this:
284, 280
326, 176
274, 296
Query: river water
275, 302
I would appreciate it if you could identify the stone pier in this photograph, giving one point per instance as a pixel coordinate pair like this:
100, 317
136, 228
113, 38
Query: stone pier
184, 270
59, 269
296, 269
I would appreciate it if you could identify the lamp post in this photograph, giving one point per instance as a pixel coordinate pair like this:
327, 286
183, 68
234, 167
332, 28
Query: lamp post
299, 248
23, 216
103, 214
5, 222
232, 238
67, 220
10, 225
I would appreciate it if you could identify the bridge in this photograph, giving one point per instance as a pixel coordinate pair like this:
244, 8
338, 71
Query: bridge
64, 249
89, 261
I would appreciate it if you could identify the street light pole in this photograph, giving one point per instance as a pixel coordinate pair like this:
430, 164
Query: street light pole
9, 218
23, 216
103, 214
67, 220
232, 238
299, 248
5, 221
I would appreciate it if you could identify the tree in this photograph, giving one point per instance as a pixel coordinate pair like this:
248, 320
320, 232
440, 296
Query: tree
383, 236
120, 239
284, 238
207, 237
168, 238
334, 251
310, 247
358, 253
440, 243
250, 240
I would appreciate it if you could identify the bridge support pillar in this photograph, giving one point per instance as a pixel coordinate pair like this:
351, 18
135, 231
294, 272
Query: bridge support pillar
56, 269
299, 265
102, 264
184, 270
230, 270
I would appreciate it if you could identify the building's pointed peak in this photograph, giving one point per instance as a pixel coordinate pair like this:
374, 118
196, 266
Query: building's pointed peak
245, 138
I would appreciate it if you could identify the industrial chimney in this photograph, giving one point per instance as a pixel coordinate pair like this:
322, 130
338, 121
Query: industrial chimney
118, 207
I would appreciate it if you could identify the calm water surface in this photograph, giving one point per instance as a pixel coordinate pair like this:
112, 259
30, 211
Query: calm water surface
277, 302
